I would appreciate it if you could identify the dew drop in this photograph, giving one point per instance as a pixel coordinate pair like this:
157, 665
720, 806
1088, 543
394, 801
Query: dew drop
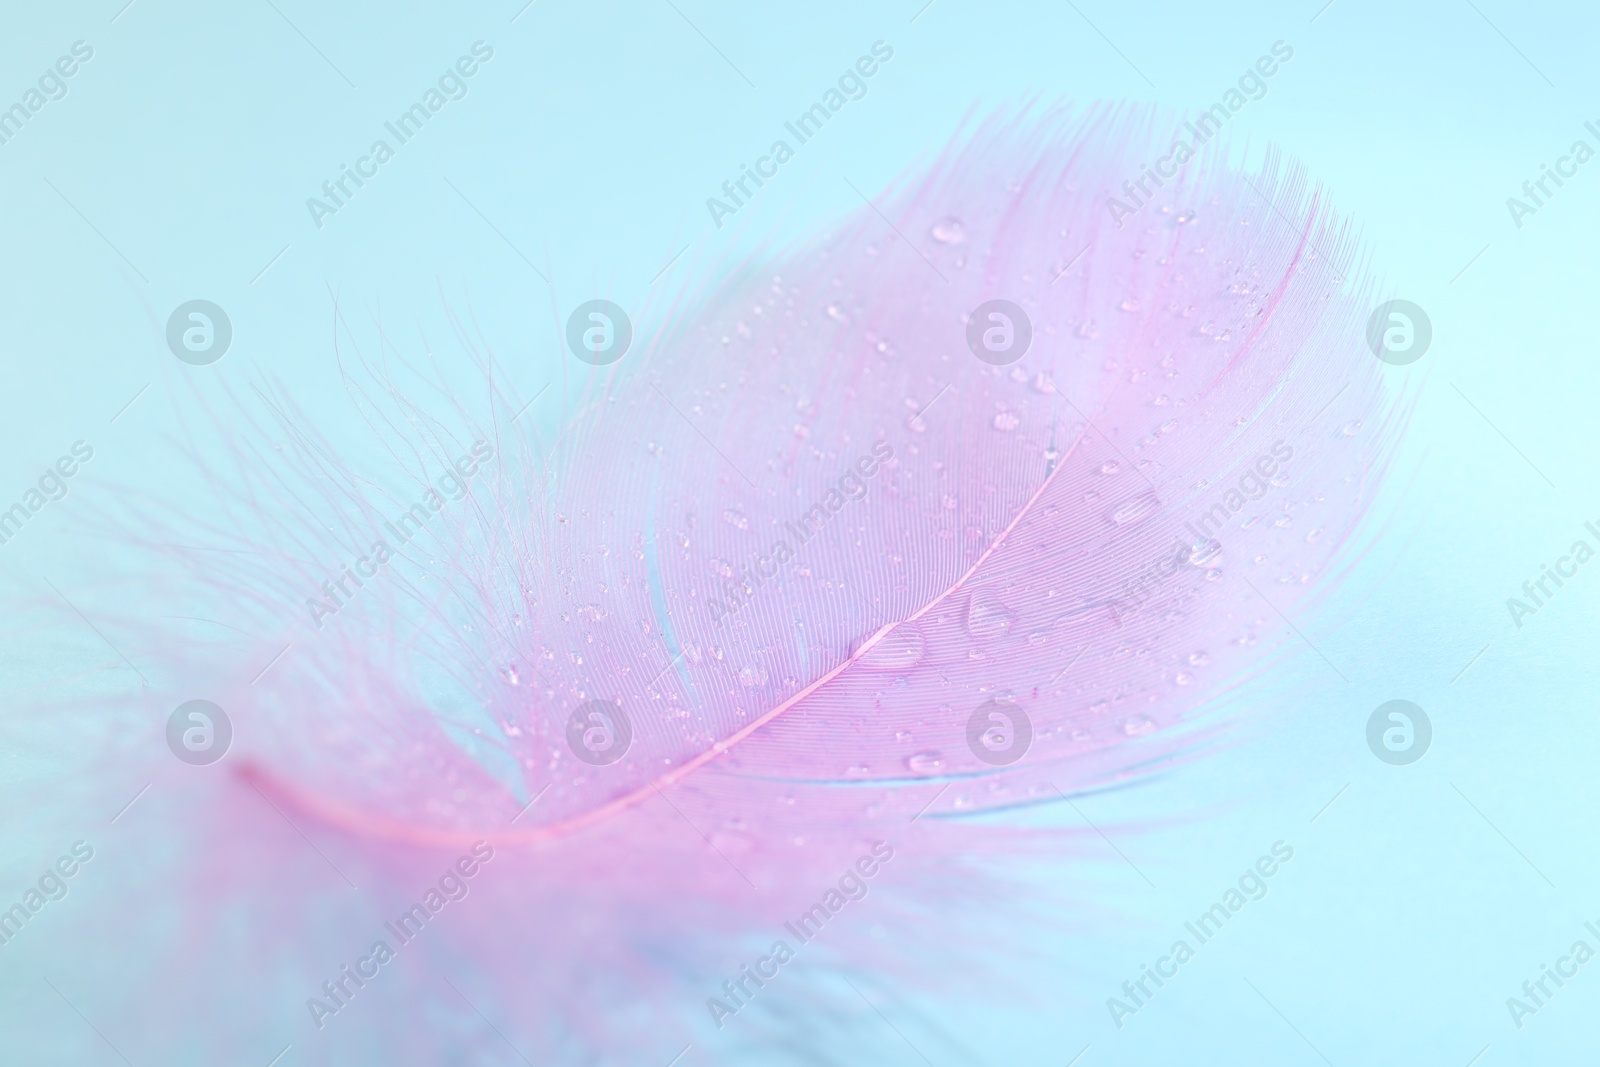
1199, 659
509, 673
899, 650
752, 676
1138, 508
1007, 421
948, 231
988, 618
926, 763
1138, 726
736, 519
1351, 427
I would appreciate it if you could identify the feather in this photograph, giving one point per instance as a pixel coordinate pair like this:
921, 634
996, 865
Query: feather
841, 553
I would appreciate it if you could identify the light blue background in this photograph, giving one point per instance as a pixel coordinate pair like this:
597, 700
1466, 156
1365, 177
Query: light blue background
591, 141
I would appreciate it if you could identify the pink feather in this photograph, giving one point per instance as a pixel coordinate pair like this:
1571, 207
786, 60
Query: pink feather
1031, 534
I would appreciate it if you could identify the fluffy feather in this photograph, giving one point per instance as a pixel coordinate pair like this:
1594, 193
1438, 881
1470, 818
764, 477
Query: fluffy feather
1029, 533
